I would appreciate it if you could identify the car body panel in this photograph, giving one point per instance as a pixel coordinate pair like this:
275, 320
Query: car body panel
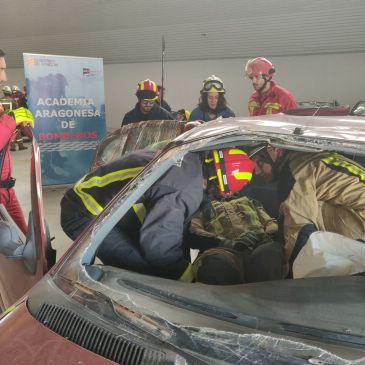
30, 264
33, 343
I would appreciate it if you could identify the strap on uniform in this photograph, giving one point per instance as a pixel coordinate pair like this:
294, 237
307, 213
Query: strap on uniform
7, 183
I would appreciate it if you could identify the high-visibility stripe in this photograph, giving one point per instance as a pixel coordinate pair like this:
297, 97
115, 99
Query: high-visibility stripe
351, 168
235, 151
140, 211
100, 181
220, 179
243, 175
187, 276
216, 156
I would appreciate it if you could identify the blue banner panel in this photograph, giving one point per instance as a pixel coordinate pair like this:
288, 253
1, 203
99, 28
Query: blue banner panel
66, 96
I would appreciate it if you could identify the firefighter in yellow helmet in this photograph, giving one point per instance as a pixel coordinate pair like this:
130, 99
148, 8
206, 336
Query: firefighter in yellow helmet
147, 107
212, 102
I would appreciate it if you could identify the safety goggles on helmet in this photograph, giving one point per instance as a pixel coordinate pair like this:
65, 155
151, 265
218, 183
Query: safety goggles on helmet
213, 86
233, 170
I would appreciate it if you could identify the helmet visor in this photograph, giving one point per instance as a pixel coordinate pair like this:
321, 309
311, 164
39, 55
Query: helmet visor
211, 85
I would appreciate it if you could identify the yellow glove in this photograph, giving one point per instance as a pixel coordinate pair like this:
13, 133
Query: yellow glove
23, 115
187, 276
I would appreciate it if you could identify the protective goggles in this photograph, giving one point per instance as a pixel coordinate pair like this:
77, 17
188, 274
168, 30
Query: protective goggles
210, 85
148, 101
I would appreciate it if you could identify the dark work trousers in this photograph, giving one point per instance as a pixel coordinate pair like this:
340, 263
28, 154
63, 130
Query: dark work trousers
117, 249
265, 263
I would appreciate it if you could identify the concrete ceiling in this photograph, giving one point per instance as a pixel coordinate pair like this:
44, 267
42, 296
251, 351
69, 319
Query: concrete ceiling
128, 31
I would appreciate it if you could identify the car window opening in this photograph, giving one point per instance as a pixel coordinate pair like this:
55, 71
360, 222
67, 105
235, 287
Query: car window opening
243, 233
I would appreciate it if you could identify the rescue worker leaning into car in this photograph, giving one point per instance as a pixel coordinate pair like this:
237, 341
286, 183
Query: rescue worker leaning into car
268, 97
322, 191
149, 238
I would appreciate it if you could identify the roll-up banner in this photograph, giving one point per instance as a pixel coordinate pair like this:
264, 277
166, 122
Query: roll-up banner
66, 96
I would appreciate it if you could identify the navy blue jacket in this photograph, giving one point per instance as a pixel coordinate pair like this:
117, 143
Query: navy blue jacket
135, 115
198, 114
155, 244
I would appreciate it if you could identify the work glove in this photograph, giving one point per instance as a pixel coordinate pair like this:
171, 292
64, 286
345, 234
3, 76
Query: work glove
23, 117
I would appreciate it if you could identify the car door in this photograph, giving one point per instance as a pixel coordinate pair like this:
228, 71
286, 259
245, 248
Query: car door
24, 260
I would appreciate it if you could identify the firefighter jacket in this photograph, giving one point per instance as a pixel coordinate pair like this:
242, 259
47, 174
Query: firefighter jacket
325, 190
199, 114
272, 101
156, 113
157, 221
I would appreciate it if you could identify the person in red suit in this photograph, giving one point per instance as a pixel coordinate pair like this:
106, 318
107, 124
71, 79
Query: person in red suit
268, 97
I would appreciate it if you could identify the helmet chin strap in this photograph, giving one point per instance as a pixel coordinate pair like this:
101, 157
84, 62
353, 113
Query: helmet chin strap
266, 79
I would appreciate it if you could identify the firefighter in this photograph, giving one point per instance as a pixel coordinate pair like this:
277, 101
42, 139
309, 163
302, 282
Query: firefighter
8, 126
147, 107
268, 97
317, 191
149, 238
212, 102
19, 96
10, 103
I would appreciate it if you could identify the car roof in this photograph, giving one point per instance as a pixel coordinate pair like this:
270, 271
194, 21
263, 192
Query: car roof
340, 133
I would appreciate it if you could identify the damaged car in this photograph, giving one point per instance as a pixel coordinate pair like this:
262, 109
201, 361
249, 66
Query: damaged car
85, 312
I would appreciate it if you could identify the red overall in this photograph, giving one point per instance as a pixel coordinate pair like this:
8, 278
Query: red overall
7, 195
272, 101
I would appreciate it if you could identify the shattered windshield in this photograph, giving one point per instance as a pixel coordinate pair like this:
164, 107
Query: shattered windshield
244, 296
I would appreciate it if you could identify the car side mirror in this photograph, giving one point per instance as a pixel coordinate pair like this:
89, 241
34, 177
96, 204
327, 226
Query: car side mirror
13, 247
11, 244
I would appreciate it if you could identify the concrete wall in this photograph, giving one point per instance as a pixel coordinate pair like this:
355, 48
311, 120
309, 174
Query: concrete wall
320, 77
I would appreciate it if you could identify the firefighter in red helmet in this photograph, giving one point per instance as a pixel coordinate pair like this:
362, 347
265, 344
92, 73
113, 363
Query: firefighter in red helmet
147, 107
268, 97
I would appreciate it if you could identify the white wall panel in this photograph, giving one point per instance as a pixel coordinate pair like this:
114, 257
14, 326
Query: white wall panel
320, 77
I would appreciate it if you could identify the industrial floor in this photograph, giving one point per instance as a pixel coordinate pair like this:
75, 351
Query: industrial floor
51, 198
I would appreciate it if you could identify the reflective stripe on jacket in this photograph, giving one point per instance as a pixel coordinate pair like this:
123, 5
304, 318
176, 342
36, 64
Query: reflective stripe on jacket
96, 189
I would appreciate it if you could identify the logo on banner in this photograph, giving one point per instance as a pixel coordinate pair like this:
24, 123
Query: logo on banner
86, 71
31, 61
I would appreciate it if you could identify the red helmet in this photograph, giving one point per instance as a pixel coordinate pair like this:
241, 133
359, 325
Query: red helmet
234, 170
259, 66
147, 90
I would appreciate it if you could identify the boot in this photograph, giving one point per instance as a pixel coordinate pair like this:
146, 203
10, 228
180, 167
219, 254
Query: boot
12, 146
